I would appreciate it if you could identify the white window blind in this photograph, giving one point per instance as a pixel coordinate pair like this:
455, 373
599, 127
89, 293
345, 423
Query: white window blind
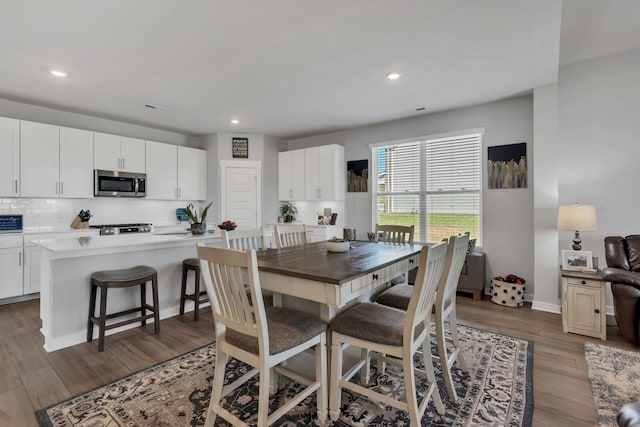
433, 184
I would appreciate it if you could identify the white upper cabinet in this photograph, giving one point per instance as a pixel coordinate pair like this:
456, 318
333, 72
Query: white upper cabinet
175, 172
10, 159
55, 161
113, 152
291, 175
39, 159
76, 163
325, 172
162, 171
192, 174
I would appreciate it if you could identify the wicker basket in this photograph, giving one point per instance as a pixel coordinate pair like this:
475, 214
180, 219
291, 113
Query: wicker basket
507, 294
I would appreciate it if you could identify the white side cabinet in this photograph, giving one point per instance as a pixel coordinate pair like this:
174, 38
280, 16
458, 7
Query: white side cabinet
10, 159
583, 304
291, 175
11, 261
114, 152
325, 172
55, 161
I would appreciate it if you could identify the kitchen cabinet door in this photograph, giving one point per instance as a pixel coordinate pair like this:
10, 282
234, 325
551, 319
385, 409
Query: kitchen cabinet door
11, 267
133, 155
291, 175
325, 173
39, 159
76, 163
162, 171
10, 159
106, 152
32, 256
192, 174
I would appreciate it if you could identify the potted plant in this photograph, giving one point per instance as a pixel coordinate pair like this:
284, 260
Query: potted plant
288, 211
198, 225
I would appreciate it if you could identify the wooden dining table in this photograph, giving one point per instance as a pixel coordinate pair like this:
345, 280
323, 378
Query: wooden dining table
333, 280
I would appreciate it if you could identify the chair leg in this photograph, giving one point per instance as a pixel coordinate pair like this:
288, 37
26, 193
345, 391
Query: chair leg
453, 324
183, 290
143, 302
263, 395
365, 374
321, 376
92, 311
156, 306
103, 317
335, 389
216, 387
427, 359
441, 343
196, 294
410, 389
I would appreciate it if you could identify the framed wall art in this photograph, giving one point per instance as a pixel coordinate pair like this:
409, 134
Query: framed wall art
507, 166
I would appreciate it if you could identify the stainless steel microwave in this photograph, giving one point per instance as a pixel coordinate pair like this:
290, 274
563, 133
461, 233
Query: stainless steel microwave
119, 184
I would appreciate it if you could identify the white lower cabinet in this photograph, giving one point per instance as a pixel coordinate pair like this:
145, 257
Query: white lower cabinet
11, 263
31, 279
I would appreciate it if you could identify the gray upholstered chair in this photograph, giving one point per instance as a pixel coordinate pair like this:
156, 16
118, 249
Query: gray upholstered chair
261, 337
449, 349
397, 333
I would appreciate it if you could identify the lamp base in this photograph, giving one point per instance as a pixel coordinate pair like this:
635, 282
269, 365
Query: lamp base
577, 243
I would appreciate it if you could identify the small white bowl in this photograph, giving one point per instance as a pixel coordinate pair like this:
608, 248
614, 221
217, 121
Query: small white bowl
338, 246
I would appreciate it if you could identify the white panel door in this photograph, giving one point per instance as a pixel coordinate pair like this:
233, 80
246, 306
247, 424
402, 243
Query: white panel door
39, 159
133, 157
76, 163
162, 171
106, 152
10, 159
242, 194
192, 174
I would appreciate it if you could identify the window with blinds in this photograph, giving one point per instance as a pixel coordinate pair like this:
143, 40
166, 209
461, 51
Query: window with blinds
433, 184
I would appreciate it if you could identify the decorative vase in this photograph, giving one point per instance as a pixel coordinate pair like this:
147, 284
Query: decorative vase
198, 228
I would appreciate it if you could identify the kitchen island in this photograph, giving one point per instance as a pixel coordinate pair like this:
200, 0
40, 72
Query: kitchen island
67, 264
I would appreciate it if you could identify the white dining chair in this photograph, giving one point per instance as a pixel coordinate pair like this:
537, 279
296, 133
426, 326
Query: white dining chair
290, 235
262, 338
401, 234
397, 333
449, 348
244, 239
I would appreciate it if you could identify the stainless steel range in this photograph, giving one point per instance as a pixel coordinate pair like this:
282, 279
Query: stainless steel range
113, 229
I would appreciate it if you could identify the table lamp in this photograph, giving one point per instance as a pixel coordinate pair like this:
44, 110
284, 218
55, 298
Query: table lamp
577, 218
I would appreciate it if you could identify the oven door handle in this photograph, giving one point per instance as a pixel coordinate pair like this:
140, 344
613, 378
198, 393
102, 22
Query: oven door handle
136, 185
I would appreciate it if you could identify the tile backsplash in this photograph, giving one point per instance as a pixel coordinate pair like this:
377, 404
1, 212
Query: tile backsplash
59, 213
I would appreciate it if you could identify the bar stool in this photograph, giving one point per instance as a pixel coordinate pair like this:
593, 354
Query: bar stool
123, 278
198, 297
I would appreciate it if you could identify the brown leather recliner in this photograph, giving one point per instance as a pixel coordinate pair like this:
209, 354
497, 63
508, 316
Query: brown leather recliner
623, 271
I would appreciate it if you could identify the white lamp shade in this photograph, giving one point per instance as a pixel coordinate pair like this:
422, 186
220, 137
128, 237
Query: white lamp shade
577, 218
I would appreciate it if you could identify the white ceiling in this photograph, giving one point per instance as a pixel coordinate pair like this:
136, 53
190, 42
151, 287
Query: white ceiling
286, 68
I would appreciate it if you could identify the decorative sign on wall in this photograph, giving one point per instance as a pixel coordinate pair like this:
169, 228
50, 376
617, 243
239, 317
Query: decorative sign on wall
240, 147
507, 166
357, 175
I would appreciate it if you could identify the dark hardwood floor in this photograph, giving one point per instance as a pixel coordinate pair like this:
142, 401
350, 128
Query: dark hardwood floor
31, 378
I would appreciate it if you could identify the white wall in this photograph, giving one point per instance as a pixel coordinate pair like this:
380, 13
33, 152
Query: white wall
599, 140
507, 214
18, 110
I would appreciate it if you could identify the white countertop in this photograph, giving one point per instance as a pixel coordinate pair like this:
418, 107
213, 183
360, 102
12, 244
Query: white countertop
68, 247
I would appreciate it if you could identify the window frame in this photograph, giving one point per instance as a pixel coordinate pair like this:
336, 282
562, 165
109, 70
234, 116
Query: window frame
422, 193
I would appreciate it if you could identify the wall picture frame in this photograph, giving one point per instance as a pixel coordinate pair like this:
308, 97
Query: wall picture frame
576, 260
240, 148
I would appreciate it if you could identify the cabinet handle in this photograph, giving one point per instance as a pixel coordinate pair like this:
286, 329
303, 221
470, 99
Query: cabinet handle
290, 194
375, 277
61, 187
123, 159
584, 282
597, 311
15, 182
19, 258
411, 261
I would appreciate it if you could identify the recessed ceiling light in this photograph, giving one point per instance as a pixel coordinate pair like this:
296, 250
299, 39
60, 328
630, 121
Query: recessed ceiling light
235, 121
393, 76
58, 73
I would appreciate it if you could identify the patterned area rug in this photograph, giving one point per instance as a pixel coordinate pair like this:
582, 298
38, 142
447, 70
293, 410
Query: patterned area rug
615, 379
497, 391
